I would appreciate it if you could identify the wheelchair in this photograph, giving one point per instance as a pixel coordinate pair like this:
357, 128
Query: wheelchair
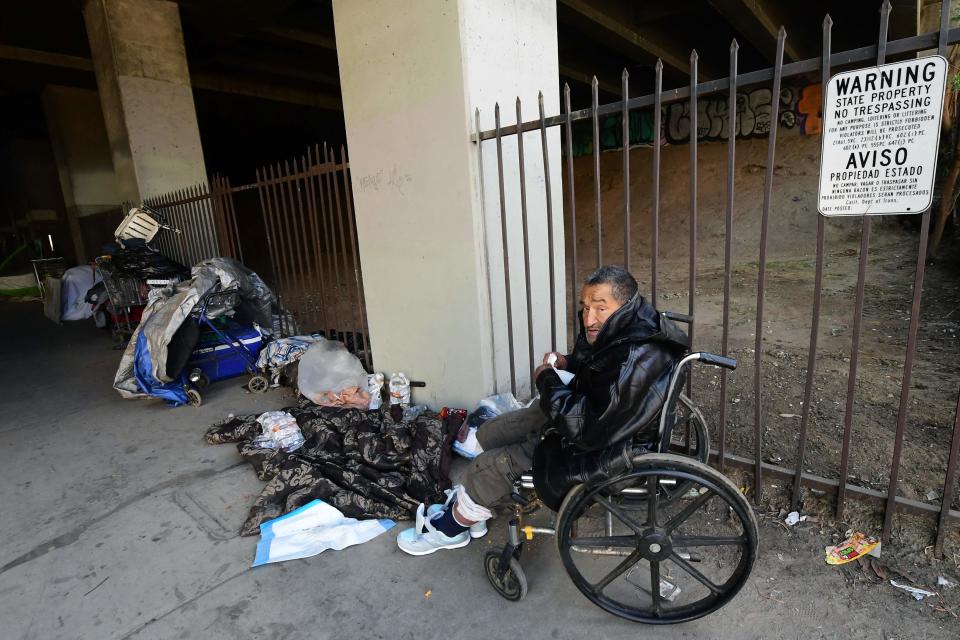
667, 540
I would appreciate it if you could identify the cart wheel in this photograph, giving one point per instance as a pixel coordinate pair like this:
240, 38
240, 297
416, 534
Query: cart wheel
258, 384
194, 397
513, 585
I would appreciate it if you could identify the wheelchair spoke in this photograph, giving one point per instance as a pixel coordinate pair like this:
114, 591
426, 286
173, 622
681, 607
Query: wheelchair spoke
603, 542
688, 511
707, 541
653, 486
618, 571
655, 586
689, 568
619, 513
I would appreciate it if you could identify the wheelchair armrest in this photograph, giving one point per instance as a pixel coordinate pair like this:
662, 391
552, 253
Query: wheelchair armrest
717, 360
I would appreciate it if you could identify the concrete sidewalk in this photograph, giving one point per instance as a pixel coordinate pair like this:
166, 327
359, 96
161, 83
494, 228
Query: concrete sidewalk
119, 521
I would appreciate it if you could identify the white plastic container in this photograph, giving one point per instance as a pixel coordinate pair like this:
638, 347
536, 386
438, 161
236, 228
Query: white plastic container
137, 224
375, 389
399, 390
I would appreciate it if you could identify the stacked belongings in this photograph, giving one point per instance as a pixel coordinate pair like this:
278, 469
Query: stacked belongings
222, 296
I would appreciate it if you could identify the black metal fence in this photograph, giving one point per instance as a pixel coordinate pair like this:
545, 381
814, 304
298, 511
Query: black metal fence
304, 246
829, 60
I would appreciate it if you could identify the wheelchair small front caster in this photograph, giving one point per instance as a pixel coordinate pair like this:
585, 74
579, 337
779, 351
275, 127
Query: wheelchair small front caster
512, 585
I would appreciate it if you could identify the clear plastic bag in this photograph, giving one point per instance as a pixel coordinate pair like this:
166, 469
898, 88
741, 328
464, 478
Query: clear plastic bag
280, 431
327, 366
466, 443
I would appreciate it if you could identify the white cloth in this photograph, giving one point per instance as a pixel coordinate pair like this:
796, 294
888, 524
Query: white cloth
311, 529
74, 285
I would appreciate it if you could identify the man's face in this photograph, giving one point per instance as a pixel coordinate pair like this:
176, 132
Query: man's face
598, 304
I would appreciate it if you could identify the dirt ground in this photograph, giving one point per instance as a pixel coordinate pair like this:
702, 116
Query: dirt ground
787, 321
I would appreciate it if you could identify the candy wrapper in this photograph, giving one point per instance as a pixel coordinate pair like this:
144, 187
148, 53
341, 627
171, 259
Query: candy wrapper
854, 547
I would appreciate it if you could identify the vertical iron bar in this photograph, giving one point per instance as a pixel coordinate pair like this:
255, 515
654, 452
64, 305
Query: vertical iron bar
232, 218
526, 245
728, 242
314, 237
206, 207
325, 208
219, 218
762, 276
912, 331
948, 483
333, 212
205, 211
218, 197
907, 376
692, 286
596, 169
486, 252
265, 211
574, 280
278, 219
506, 259
357, 272
308, 286
550, 260
655, 223
296, 257
858, 308
283, 183
341, 225
817, 287
625, 116
195, 237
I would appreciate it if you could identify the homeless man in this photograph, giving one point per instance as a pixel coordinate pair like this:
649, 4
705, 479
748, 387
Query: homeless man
622, 361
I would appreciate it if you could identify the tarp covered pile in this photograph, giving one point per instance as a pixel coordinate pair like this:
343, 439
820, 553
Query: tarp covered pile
361, 462
158, 349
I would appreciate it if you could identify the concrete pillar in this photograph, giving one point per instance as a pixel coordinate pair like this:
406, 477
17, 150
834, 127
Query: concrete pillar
82, 151
412, 74
144, 85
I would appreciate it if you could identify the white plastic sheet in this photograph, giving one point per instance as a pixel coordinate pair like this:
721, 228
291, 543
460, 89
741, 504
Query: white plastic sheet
312, 529
74, 285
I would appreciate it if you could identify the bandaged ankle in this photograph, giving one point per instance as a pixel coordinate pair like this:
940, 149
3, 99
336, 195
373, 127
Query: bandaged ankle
470, 509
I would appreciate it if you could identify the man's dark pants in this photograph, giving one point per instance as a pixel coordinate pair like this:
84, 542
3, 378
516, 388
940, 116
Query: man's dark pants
508, 443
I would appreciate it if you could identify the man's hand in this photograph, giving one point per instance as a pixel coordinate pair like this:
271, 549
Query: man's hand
539, 370
561, 361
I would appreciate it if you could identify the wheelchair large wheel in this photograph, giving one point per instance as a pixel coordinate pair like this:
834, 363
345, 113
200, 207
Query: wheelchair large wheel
666, 558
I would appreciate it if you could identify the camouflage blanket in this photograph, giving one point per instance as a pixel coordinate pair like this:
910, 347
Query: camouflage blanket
362, 462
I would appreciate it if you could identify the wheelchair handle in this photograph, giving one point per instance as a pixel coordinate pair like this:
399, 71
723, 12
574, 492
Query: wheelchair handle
690, 358
718, 361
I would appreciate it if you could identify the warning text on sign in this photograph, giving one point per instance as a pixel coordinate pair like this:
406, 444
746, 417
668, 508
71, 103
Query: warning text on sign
880, 136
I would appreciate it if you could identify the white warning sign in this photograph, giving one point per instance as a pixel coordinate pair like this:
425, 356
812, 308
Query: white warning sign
881, 129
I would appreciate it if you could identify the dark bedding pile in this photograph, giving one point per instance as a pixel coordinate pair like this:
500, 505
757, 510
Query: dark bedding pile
361, 462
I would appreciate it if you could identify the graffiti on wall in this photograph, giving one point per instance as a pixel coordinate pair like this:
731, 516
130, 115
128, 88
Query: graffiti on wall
799, 108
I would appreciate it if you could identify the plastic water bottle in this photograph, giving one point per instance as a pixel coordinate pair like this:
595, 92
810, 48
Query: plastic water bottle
375, 389
399, 390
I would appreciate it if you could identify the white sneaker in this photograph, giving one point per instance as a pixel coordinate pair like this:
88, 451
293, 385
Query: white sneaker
420, 544
477, 529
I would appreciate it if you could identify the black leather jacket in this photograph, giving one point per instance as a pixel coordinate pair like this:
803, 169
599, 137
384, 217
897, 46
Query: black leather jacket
621, 380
